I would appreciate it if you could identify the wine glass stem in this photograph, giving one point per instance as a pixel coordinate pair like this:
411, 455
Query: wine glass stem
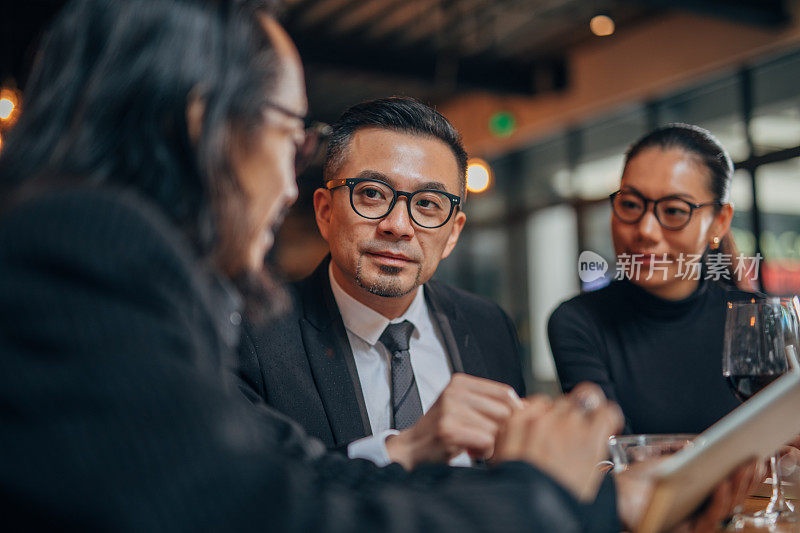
777, 504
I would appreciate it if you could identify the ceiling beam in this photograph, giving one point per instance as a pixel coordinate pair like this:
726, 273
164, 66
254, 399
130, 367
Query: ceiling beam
769, 13
476, 72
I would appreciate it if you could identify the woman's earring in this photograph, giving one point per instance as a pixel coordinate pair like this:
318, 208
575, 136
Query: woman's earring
715, 243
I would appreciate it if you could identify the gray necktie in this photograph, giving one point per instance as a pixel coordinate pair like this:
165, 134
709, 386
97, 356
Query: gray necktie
406, 406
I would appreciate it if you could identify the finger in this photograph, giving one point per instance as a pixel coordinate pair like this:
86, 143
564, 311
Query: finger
790, 462
486, 406
609, 417
718, 509
537, 404
743, 479
759, 471
465, 437
555, 417
589, 396
512, 440
473, 419
499, 391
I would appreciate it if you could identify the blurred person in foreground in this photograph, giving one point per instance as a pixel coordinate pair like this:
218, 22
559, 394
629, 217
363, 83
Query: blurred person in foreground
333, 364
154, 154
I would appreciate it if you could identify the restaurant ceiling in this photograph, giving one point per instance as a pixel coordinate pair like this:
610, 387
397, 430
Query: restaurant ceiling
430, 49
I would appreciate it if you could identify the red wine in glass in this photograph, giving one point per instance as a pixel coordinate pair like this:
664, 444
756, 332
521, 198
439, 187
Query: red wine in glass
754, 355
745, 386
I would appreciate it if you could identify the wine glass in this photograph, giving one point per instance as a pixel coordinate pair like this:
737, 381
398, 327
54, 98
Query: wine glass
754, 355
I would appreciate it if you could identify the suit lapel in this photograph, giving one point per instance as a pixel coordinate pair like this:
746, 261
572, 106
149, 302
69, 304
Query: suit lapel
462, 348
331, 360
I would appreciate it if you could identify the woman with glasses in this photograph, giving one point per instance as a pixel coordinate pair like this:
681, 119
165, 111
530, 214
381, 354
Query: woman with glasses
653, 340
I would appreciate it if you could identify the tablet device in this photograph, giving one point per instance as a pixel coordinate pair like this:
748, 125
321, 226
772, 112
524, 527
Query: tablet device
756, 429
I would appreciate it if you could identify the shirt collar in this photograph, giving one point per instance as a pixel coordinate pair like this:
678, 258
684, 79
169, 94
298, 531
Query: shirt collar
365, 322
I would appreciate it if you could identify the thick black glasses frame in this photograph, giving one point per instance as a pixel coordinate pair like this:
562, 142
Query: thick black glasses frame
655, 203
455, 201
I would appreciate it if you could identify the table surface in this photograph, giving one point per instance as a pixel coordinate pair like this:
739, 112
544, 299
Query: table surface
756, 503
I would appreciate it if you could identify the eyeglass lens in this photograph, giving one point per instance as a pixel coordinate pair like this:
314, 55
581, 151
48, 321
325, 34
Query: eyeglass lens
308, 150
373, 199
672, 213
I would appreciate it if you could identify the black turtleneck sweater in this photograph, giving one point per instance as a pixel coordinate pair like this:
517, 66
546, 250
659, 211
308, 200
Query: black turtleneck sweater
661, 360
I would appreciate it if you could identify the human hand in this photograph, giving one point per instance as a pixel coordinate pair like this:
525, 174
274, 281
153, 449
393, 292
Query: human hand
564, 438
466, 416
635, 487
795, 443
790, 460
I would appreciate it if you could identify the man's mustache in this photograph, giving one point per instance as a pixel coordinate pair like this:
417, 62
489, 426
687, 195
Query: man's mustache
399, 248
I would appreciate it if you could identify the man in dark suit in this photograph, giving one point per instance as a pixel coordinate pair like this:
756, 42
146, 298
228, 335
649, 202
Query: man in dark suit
328, 364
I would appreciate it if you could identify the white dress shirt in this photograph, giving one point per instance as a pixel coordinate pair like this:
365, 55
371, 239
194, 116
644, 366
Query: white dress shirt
429, 361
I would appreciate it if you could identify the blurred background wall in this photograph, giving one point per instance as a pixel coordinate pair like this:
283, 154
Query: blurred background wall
549, 93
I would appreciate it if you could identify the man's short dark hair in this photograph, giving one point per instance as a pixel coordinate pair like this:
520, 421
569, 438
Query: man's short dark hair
397, 113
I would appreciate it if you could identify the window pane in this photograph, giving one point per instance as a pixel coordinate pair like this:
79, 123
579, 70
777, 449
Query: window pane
595, 228
779, 202
602, 152
716, 107
776, 102
552, 277
742, 224
545, 176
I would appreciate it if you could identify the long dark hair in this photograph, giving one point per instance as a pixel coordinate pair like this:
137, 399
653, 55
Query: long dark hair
106, 105
707, 150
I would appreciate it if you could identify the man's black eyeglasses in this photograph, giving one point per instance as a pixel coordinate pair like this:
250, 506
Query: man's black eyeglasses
373, 199
314, 135
672, 213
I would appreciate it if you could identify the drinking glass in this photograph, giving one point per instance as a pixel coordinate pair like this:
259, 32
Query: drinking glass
627, 450
754, 355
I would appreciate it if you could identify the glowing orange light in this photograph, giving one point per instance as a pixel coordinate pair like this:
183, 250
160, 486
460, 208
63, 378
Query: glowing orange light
601, 25
1, 143
752, 321
479, 175
9, 106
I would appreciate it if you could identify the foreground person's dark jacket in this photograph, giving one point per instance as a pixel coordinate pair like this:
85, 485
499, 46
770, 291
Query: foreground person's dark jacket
115, 415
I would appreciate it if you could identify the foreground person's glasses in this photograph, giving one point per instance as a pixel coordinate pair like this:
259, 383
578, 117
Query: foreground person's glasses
373, 199
314, 134
671, 212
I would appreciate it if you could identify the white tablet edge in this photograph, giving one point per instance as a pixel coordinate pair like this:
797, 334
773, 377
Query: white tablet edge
754, 430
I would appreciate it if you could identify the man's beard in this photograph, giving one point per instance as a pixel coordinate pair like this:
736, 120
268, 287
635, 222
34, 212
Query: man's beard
388, 283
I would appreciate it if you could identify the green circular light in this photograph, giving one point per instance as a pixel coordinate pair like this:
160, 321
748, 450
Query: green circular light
502, 124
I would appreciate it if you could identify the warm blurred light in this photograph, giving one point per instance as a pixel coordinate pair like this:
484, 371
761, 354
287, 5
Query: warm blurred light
9, 105
1, 143
6, 108
601, 25
479, 175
